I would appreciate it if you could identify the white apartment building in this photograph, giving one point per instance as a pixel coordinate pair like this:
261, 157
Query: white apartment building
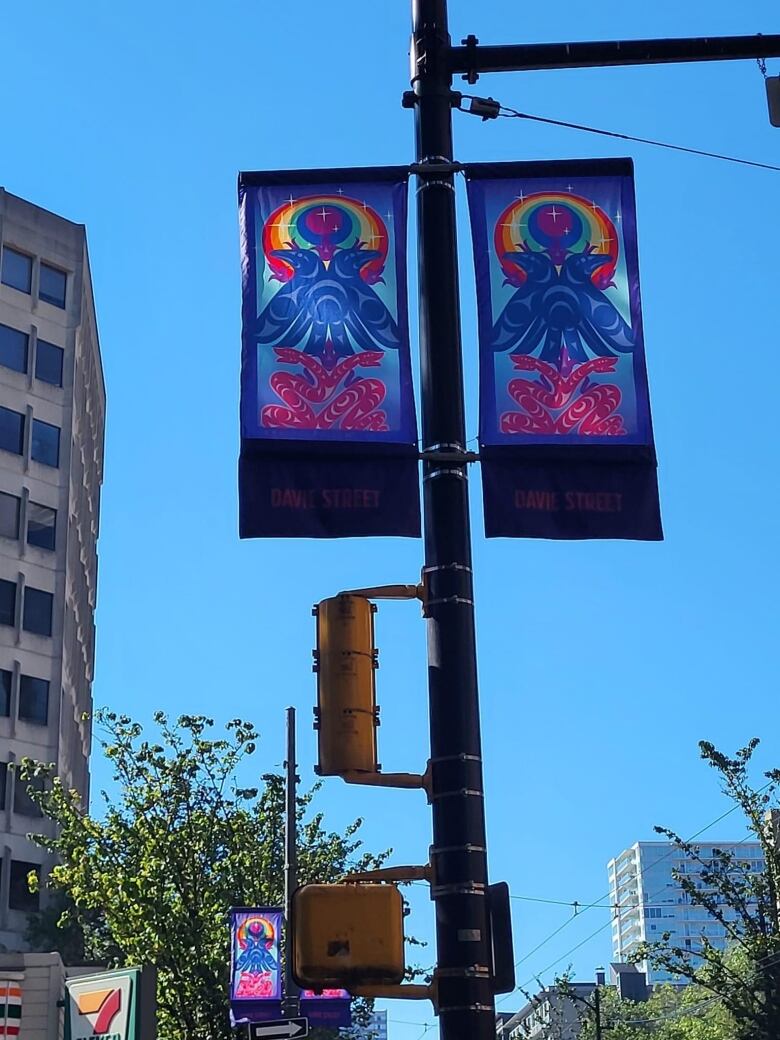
52, 416
647, 900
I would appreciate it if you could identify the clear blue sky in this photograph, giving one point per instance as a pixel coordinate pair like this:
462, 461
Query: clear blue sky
601, 664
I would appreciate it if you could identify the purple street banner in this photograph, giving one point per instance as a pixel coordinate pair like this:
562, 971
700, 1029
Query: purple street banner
565, 431
255, 962
328, 428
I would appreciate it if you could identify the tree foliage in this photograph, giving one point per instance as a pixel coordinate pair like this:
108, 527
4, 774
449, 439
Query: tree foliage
179, 842
670, 1013
744, 979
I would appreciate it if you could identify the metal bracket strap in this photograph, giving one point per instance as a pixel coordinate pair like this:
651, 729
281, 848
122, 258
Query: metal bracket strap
445, 473
467, 1007
447, 567
441, 849
449, 599
464, 791
435, 184
476, 971
465, 888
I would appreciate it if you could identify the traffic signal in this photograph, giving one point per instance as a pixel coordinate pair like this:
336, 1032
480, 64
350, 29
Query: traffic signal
346, 716
773, 99
347, 934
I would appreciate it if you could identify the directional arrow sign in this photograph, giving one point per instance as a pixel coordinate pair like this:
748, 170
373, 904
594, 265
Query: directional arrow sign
281, 1029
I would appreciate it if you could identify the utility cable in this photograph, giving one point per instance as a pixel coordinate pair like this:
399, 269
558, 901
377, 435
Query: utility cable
512, 113
600, 900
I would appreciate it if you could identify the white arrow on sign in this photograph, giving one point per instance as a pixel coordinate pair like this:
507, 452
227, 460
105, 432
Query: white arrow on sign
281, 1029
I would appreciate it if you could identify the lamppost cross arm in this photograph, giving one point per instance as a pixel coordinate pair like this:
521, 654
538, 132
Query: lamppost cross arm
474, 59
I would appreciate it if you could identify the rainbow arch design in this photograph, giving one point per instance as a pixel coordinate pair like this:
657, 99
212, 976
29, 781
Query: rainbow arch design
325, 223
558, 223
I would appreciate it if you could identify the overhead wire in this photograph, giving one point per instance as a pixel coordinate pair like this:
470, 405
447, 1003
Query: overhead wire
620, 910
505, 112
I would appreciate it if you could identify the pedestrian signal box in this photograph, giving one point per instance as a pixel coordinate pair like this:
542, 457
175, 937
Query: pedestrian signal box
346, 935
346, 716
773, 99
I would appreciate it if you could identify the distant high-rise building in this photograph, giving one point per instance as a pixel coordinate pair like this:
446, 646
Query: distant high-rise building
376, 1029
52, 416
647, 900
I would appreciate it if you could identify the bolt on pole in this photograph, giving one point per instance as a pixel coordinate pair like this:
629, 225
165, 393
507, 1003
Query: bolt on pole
466, 1004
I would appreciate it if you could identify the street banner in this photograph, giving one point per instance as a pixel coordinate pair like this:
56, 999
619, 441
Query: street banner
565, 433
255, 961
328, 428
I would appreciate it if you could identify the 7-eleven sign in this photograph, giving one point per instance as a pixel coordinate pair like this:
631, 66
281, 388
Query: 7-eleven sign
103, 1007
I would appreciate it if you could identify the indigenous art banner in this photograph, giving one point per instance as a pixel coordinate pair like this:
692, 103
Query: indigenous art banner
328, 428
565, 432
255, 962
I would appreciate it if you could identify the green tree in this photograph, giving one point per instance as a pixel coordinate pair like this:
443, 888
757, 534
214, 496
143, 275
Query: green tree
745, 978
178, 843
670, 1013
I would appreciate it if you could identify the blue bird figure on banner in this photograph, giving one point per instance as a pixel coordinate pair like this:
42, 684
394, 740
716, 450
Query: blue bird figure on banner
328, 311
600, 325
561, 307
521, 322
256, 957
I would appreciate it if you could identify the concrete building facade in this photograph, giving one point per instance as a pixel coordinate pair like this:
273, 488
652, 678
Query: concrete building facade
52, 418
648, 900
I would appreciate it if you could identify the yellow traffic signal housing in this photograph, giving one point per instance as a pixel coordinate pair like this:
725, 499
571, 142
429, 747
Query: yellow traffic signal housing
345, 661
347, 935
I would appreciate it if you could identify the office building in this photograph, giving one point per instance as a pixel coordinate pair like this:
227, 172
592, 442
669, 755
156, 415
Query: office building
648, 900
52, 415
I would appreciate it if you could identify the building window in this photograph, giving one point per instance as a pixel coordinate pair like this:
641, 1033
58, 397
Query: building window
33, 699
41, 525
45, 443
13, 348
9, 515
16, 270
19, 895
7, 602
11, 431
48, 363
37, 612
24, 804
6, 678
52, 285
3, 783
